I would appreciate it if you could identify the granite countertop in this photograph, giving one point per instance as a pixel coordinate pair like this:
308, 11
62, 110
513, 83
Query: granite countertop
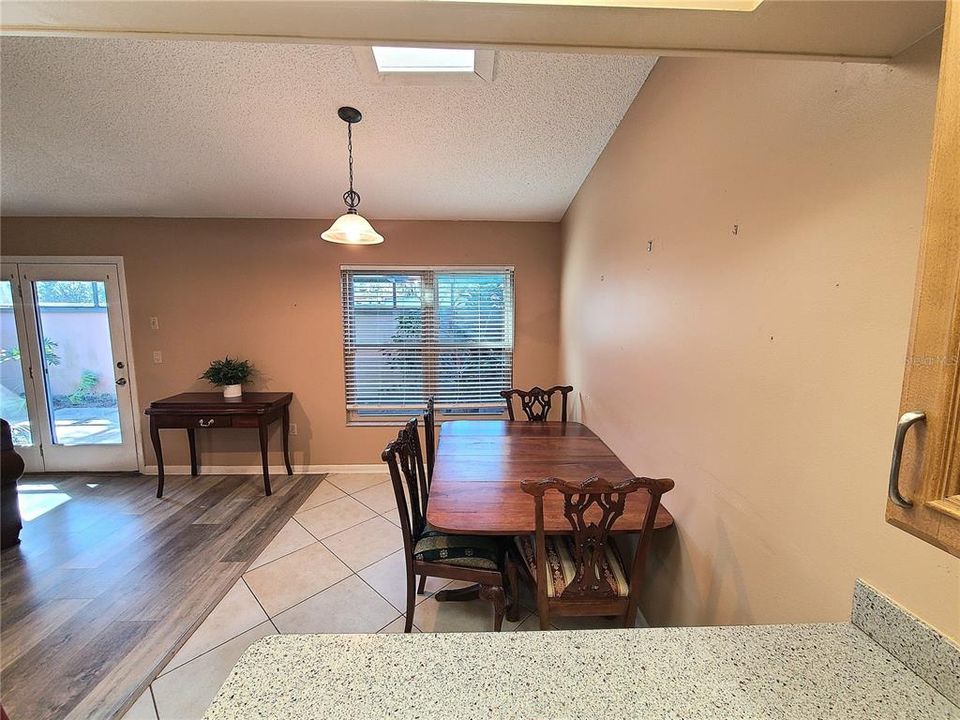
814, 671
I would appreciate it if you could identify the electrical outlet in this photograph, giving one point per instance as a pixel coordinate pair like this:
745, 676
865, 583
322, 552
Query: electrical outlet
154, 322
293, 428
157, 357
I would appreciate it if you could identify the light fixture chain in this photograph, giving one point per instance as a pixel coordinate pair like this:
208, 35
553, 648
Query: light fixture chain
351, 198
350, 152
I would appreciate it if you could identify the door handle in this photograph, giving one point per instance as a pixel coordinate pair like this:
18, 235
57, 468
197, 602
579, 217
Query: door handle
121, 381
206, 423
907, 420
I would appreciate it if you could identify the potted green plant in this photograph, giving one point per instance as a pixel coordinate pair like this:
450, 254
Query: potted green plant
230, 374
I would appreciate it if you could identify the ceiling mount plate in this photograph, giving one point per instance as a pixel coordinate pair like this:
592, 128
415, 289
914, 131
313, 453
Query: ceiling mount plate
349, 114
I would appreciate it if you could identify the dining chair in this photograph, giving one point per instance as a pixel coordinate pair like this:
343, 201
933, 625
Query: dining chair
430, 443
431, 553
584, 574
430, 438
536, 402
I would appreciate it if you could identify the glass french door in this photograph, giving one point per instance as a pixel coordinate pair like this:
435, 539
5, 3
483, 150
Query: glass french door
63, 367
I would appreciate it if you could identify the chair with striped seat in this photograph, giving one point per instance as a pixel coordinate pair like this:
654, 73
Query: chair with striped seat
431, 553
584, 574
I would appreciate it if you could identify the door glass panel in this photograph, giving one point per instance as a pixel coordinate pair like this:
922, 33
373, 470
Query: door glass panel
13, 403
77, 362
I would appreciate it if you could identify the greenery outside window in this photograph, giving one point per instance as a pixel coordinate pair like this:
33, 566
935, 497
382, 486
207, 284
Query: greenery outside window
66, 294
412, 333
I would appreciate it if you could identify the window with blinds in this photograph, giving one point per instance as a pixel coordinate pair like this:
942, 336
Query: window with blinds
409, 333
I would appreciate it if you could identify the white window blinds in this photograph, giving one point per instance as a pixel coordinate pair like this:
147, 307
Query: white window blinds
412, 333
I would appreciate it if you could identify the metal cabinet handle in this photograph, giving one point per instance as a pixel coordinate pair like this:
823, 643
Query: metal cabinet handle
206, 423
893, 489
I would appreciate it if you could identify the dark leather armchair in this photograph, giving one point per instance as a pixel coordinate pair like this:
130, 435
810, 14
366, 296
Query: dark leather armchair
11, 468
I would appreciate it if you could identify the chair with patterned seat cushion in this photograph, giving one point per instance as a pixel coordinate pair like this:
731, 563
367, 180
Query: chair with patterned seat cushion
431, 553
469, 551
584, 574
537, 402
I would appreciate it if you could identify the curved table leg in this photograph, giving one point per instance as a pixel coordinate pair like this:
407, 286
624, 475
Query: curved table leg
263, 457
192, 440
513, 601
158, 451
286, 438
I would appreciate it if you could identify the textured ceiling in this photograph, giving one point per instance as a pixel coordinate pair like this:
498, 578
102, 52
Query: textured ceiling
216, 129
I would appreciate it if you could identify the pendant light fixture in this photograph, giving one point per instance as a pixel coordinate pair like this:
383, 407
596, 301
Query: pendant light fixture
351, 228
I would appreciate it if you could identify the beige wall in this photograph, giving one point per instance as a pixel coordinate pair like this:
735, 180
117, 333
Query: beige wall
269, 290
760, 369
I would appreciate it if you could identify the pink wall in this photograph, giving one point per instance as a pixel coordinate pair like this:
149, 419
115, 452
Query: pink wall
761, 369
83, 343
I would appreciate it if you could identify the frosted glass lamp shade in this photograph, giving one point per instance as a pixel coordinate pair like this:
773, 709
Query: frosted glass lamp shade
352, 229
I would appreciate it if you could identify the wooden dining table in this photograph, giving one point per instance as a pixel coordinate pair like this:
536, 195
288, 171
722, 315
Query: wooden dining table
479, 464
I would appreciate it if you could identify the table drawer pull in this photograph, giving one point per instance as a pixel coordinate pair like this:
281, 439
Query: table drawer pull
206, 423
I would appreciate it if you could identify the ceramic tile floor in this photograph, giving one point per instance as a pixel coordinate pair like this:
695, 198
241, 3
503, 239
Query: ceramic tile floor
336, 567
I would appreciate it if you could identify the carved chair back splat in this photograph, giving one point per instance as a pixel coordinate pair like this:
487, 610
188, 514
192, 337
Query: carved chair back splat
405, 462
537, 402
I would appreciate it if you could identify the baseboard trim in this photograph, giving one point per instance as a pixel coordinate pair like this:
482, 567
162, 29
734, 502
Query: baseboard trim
257, 470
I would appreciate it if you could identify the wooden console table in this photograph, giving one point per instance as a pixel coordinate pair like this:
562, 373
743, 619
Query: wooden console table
194, 410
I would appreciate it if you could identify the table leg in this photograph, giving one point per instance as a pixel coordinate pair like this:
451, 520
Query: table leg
286, 439
513, 606
263, 457
155, 438
192, 439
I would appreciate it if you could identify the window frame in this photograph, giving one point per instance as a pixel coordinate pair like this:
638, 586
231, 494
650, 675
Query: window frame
354, 418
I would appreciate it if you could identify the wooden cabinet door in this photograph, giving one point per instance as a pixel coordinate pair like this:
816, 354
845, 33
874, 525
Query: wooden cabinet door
928, 482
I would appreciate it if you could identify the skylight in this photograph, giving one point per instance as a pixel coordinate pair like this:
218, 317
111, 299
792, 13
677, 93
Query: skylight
425, 60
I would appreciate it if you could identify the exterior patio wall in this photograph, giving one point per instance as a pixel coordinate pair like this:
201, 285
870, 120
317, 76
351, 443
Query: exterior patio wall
83, 343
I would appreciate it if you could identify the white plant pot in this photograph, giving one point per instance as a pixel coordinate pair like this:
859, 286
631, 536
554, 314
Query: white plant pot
232, 391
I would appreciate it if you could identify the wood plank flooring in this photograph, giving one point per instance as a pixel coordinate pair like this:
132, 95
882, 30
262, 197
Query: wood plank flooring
105, 587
